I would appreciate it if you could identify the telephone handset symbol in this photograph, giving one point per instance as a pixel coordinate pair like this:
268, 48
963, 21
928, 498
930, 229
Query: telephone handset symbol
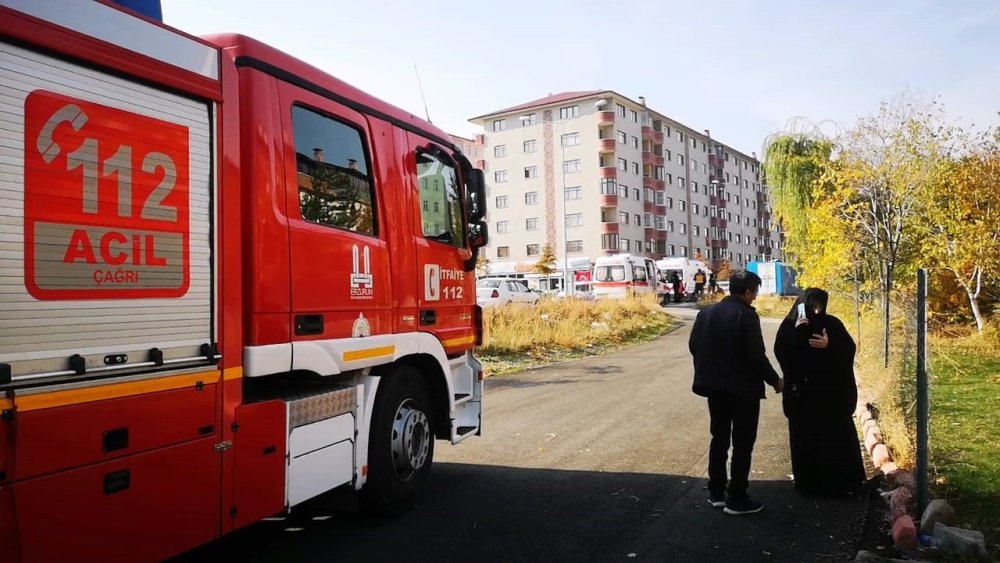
69, 113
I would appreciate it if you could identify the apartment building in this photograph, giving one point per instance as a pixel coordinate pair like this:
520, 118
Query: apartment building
596, 173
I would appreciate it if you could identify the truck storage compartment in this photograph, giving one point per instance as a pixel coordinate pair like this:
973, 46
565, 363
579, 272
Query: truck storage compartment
138, 508
71, 436
106, 243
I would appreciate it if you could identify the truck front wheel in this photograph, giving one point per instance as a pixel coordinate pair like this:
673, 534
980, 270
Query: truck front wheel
401, 444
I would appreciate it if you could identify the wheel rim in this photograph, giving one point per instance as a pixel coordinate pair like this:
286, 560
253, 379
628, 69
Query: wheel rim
411, 436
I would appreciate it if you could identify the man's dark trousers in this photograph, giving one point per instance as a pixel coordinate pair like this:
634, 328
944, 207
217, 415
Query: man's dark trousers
733, 417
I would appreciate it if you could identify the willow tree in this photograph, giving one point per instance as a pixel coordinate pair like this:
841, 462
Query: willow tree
794, 164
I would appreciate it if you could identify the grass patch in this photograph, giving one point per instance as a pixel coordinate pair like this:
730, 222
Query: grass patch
517, 337
965, 431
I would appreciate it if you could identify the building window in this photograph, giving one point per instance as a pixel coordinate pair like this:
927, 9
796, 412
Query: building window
574, 246
574, 220
680, 159
634, 116
620, 110
623, 245
623, 192
635, 168
571, 139
570, 166
529, 146
499, 124
500, 176
503, 252
695, 208
635, 142
670, 178
528, 119
682, 205
531, 224
694, 187
576, 192
697, 231
670, 226
501, 201
569, 112
659, 197
659, 221
667, 155
623, 164
670, 203
335, 188
532, 250
647, 219
637, 220
500, 151
681, 183
622, 137
503, 226
609, 242
694, 143
623, 217
670, 250
694, 165
609, 186
647, 195
635, 194
530, 171
684, 251
680, 136
531, 198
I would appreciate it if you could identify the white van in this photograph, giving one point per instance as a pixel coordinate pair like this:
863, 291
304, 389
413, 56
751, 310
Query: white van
624, 274
685, 268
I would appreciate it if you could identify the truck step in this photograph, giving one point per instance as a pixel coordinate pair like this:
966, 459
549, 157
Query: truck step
462, 398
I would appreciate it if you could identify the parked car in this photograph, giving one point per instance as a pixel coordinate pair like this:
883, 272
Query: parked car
494, 292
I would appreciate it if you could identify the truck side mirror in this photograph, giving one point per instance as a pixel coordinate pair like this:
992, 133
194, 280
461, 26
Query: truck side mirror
478, 235
476, 192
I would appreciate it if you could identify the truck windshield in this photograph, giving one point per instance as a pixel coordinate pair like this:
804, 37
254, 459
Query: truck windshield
609, 273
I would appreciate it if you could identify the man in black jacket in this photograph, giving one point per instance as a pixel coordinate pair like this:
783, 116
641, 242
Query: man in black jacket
730, 368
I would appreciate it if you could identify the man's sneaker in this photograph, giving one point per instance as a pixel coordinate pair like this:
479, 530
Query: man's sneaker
717, 500
744, 505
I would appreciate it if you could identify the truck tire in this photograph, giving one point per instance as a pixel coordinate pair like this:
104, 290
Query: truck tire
401, 444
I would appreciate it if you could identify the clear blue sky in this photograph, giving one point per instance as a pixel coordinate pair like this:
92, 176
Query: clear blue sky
737, 67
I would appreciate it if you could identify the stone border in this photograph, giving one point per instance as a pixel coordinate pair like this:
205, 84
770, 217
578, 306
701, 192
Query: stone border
900, 483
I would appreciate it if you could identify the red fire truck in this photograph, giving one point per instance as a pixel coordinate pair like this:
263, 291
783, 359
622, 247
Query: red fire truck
229, 282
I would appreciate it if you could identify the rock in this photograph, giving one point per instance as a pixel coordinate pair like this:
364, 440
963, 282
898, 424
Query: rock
899, 503
904, 533
864, 416
880, 455
869, 425
938, 510
870, 442
961, 541
905, 479
891, 471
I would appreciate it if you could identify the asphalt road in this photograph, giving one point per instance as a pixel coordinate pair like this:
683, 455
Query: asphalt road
602, 459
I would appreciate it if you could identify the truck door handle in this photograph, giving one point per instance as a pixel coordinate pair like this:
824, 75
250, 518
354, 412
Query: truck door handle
428, 317
308, 324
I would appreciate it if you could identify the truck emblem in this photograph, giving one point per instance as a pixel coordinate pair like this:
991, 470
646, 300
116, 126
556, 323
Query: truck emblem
361, 327
361, 279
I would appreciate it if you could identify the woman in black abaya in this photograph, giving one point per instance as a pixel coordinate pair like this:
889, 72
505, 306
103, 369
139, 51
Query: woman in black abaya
816, 355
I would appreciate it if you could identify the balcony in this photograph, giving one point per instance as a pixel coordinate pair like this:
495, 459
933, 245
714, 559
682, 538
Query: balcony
650, 134
651, 233
659, 184
718, 222
658, 160
647, 159
647, 182
607, 145
715, 161
606, 117
762, 232
649, 207
607, 172
609, 200
609, 228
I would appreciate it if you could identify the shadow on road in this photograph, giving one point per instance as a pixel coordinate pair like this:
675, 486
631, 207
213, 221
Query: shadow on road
489, 513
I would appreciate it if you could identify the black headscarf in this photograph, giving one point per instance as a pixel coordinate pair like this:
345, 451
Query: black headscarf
814, 298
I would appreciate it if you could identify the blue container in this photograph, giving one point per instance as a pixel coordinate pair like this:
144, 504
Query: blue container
150, 8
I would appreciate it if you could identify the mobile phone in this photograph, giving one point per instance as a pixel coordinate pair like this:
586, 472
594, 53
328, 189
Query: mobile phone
802, 311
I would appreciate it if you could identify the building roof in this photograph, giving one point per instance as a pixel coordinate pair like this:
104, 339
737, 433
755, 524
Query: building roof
547, 100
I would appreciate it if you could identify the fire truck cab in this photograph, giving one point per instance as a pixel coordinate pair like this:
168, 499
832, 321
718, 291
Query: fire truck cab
229, 282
